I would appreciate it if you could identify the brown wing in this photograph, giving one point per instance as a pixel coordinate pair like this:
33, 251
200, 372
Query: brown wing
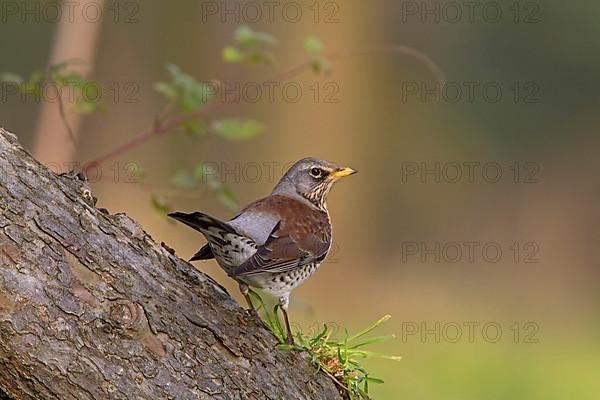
302, 236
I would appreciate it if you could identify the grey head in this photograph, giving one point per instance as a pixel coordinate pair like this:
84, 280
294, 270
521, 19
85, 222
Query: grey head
311, 179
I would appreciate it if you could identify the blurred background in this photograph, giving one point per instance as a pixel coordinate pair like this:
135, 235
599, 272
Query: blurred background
473, 220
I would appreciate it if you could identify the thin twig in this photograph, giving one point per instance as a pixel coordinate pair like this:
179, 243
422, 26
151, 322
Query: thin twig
210, 105
423, 58
63, 117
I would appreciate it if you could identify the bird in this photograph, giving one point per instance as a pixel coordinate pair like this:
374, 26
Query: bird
275, 243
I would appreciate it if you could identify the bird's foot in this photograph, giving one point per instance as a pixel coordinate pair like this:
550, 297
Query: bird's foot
256, 316
289, 339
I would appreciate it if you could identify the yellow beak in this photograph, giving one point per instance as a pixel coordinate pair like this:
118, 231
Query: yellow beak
343, 172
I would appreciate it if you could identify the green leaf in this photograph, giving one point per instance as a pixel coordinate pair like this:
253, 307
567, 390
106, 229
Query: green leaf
160, 205
191, 94
284, 346
319, 65
277, 323
232, 55
167, 90
227, 197
207, 173
316, 66
184, 179
36, 76
260, 57
247, 42
249, 38
71, 79
9, 77
85, 107
237, 129
195, 128
313, 44
137, 172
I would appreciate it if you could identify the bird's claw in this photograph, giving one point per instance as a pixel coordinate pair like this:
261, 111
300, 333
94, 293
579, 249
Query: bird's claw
289, 340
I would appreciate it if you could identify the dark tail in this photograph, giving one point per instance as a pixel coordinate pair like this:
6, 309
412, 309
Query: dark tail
201, 222
204, 224
205, 253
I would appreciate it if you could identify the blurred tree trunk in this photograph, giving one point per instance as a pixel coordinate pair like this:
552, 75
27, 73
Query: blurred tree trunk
76, 38
92, 308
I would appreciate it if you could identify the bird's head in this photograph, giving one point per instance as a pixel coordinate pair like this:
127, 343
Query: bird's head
312, 179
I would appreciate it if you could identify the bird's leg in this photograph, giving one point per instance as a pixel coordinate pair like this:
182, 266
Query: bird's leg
246, 292
284, 301
253, 312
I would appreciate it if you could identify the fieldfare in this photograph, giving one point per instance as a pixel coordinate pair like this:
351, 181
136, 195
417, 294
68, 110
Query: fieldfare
277, 242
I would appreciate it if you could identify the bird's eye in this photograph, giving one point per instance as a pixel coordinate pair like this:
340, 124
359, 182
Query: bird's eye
315, 172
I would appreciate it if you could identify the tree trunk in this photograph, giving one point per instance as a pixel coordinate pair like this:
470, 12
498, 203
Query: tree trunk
92, 308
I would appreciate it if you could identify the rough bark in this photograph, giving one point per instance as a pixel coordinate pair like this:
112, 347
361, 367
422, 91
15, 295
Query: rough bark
92, 308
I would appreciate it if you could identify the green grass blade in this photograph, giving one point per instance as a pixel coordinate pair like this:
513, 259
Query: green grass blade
370, 328
372, 340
